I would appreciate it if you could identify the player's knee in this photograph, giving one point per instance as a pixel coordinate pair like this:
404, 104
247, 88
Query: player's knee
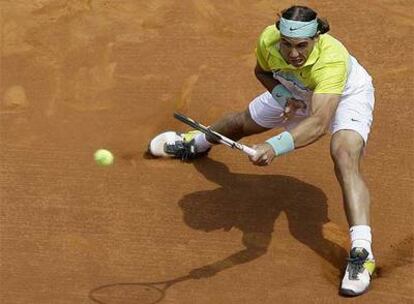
346, 150
345, 157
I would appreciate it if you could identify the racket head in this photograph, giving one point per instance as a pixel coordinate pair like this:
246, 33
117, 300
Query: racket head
127, 293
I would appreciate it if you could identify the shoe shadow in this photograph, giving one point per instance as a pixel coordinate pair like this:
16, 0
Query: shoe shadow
252, 203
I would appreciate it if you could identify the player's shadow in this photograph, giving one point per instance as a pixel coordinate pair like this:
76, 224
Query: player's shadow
252, 203
247, 202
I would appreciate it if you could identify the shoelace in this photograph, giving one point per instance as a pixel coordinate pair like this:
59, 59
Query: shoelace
355, 267
182, 150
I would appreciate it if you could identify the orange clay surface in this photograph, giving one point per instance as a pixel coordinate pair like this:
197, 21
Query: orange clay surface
77, 76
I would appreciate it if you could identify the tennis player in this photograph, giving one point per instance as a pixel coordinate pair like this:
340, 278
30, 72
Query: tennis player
313, 86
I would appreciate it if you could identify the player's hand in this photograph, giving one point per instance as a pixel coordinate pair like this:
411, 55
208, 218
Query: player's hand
264, 155
291, 107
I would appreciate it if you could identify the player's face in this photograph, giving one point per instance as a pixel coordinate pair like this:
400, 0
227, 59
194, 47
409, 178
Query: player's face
296, 51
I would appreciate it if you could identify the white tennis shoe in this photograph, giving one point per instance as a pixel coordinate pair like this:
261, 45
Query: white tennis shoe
175, 145
358, 273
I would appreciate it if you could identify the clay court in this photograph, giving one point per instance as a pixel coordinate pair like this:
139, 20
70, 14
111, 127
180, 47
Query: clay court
80, 75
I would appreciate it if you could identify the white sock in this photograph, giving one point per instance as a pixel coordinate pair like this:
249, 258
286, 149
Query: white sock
361, 237
202, 143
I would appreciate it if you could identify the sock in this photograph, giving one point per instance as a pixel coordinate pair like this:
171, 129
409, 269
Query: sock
202, 143
361, 237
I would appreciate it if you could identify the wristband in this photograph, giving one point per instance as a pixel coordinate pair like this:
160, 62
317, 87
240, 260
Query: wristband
282, 143
281, 94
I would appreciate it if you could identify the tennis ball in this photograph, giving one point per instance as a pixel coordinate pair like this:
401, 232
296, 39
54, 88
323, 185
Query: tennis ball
104, 157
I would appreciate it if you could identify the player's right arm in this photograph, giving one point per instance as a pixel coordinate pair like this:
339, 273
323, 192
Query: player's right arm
323, 108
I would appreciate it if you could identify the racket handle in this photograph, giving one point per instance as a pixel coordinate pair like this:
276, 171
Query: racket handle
249, 151
232, 144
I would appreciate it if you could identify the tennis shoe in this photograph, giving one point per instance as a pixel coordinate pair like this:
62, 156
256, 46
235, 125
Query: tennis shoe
358, 273
175, 145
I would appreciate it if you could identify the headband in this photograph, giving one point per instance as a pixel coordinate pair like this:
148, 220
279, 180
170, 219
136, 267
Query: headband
298, 29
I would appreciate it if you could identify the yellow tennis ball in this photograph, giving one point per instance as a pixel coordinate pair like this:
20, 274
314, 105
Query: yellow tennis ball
104, 157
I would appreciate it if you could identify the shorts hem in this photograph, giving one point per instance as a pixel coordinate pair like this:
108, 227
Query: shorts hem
363, 134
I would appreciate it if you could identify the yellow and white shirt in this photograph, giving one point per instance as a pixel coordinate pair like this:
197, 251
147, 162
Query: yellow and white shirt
326, 71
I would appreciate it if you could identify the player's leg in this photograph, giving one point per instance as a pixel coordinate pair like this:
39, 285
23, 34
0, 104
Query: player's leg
237, 125
262, 114
351, 127
234, 126
346, 151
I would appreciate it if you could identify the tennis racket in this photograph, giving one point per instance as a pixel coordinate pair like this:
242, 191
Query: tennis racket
133, 293
215, 135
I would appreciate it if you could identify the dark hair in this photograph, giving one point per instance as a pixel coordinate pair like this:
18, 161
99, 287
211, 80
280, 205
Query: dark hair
303, 13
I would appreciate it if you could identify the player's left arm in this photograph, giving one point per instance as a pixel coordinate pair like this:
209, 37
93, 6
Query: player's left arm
322, 107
